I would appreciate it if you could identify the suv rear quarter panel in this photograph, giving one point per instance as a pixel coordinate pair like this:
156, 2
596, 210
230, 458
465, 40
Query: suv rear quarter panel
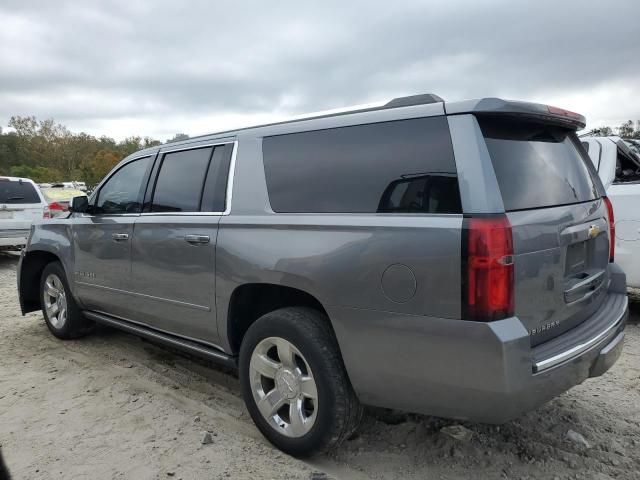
340, 259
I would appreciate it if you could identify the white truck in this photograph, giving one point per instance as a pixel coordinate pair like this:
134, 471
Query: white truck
21, 202
619, 168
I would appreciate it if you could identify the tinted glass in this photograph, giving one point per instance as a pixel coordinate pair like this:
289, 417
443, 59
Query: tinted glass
422, 194
122, 192
16, 192
392, 167
180, 181
537, 165
215, 189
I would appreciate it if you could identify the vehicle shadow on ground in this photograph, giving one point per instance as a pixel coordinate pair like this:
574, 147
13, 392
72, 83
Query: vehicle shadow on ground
9, 258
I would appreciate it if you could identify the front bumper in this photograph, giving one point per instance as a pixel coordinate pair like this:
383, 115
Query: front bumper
485, 372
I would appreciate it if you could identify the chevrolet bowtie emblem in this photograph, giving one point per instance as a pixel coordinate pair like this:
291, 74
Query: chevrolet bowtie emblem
594, 230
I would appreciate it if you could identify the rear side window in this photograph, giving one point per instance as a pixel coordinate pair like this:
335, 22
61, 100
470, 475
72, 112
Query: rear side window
404, 166
180, 181
193, 180
537, 165
17, 192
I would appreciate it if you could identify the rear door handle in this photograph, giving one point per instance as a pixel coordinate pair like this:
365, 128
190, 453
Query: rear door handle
120, 237
197, 238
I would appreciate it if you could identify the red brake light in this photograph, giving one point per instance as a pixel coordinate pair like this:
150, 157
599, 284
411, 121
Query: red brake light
562, 111
56, 206
489, 287
612, 228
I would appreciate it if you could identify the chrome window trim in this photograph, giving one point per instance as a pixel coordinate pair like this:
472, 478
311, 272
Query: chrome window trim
196, 147
232, 169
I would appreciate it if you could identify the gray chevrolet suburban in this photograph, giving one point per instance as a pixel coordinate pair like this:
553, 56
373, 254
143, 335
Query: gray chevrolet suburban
452, 259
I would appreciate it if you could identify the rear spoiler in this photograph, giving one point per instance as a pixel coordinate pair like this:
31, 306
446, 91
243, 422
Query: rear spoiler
498, 106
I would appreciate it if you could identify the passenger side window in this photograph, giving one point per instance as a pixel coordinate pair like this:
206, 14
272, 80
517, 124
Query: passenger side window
403, 166
180, 181
122, 193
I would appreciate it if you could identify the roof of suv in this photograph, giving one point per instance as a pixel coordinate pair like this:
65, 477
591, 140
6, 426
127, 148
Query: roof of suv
17, 179
478, 106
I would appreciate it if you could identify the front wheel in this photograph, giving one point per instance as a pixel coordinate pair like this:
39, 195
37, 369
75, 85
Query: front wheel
61, 313
294, 382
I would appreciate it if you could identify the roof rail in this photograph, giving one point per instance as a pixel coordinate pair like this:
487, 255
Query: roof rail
421, 99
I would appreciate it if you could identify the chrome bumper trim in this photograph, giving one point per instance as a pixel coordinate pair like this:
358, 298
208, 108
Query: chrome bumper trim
550, 362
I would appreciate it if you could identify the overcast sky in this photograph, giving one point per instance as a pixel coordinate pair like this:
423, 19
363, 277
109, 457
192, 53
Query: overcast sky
155, 68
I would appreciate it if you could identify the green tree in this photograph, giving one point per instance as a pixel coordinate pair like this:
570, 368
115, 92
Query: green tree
178, 137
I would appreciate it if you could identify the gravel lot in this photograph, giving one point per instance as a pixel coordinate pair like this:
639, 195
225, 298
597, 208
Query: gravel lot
114, 406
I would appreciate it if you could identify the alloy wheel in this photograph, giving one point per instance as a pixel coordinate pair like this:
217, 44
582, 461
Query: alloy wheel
55, 301
283, 387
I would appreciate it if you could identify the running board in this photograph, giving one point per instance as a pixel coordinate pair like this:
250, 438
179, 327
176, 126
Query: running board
188, 346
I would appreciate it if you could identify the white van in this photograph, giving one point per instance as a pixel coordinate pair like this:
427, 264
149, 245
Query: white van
21, 202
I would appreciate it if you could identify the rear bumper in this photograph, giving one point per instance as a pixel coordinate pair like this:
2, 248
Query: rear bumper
475, 371
10, 238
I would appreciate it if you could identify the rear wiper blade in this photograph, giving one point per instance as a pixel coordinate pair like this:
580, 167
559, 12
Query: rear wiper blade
16, 198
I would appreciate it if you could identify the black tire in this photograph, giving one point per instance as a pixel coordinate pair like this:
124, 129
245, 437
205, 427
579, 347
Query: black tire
75, 325
338, 410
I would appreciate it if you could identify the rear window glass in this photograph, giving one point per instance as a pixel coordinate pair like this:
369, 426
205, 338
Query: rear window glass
404, 166
537, 165
15, 192
61, 194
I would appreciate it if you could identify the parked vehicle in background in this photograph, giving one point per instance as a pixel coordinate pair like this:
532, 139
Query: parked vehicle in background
59, 199
634, 144
619, 168
82, 186
452, 259
21, 202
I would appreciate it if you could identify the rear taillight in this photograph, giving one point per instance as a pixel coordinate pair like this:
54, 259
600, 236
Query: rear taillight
488, 292
612, 228
46, 213
57, 207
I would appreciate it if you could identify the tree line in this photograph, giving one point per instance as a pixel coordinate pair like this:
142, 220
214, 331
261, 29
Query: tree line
628, 129
46, 151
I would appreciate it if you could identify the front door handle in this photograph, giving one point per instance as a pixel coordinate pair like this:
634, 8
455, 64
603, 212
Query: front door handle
119, 237
197, 238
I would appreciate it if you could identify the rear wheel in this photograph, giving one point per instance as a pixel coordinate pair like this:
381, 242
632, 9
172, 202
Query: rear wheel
61, 313
294, 382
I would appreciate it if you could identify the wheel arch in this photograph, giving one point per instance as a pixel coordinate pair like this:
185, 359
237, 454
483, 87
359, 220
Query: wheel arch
31, 266
250, 301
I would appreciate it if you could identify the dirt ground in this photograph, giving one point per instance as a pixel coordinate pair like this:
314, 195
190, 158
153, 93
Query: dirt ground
114, 406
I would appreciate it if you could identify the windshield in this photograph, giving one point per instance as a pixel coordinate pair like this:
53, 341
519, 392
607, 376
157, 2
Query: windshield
634, 145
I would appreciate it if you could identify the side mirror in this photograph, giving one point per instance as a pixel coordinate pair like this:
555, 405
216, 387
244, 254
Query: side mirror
79, 204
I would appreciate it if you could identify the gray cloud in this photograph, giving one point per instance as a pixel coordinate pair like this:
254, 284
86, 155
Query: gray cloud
121, 67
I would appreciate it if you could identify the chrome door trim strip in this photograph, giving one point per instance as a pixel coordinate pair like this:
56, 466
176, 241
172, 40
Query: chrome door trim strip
144, 295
